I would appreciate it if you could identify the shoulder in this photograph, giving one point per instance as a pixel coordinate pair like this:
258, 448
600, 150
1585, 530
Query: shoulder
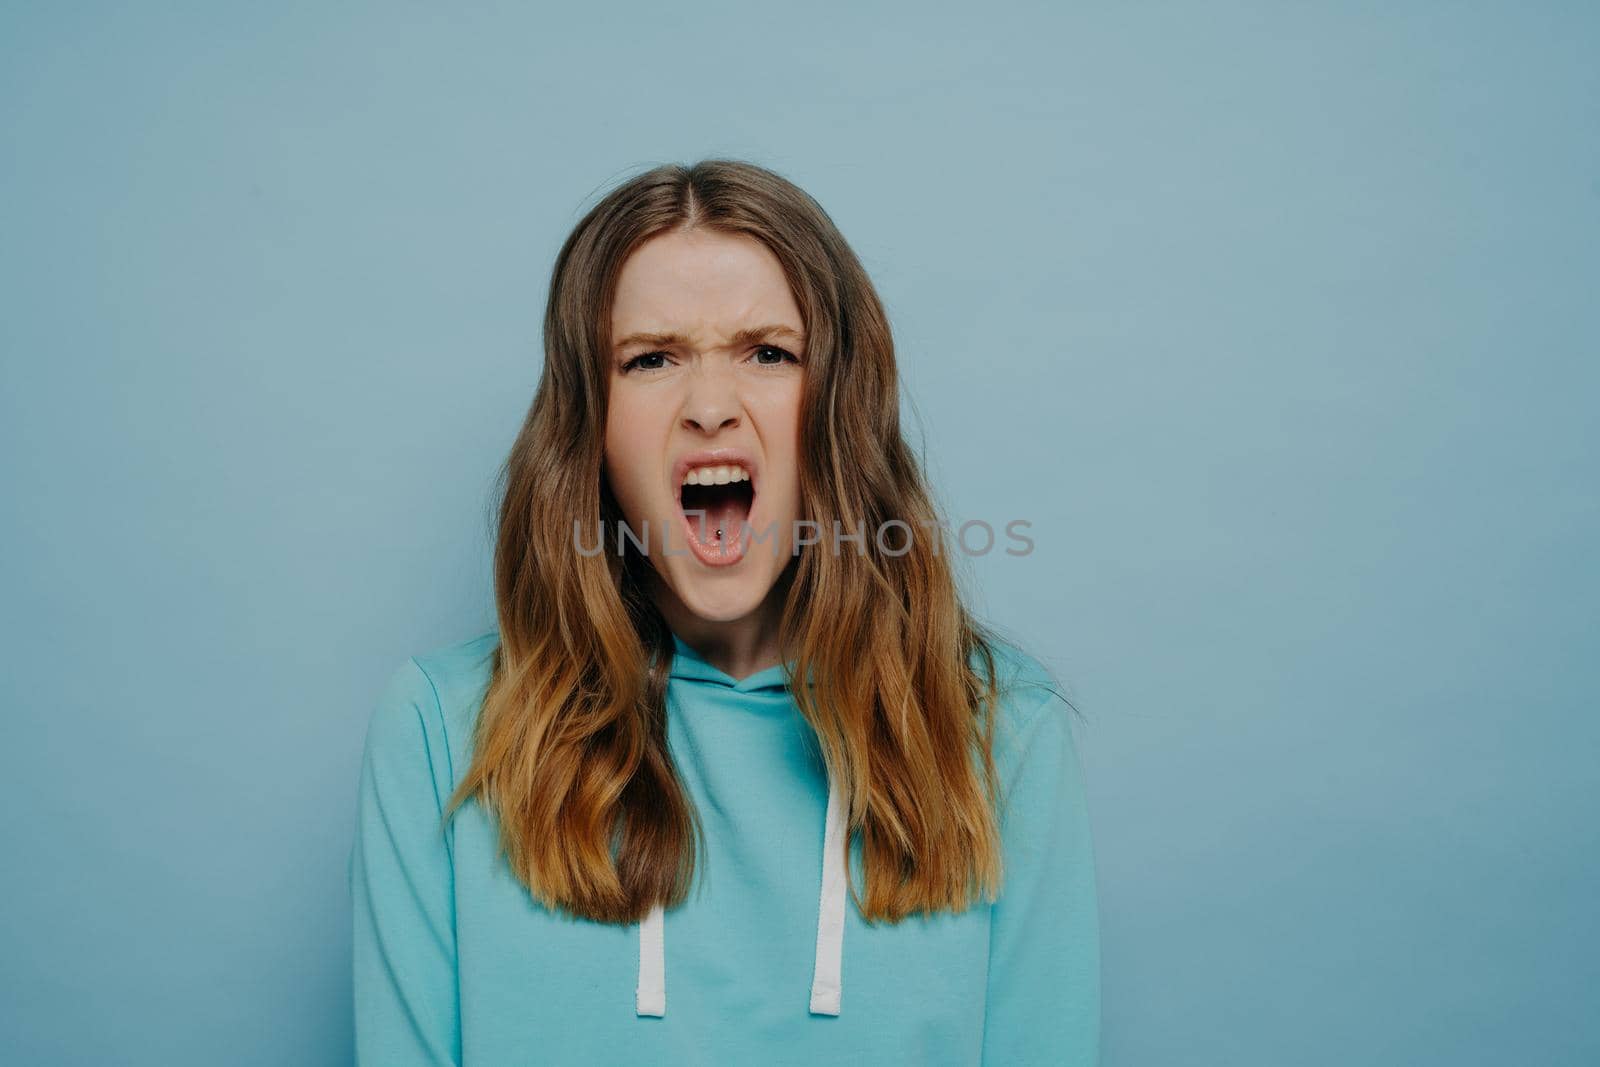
1029, 692
459, 677
429, 706
1033, 729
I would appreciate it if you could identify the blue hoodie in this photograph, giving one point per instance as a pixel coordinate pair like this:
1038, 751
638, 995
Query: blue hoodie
768, 961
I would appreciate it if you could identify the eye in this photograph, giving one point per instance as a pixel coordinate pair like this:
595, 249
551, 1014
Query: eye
782, 355
646, 361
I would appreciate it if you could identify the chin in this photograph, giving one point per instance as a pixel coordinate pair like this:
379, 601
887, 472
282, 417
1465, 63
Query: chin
724, 597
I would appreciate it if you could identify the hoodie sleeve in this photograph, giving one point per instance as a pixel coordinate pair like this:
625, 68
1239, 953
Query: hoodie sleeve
401, 886
1043, 1003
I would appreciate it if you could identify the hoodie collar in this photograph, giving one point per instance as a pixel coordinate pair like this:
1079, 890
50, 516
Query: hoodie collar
689, 664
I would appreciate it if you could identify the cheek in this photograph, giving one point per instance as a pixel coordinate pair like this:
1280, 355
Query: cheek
776, 409
780, 421
634, 447
623, 454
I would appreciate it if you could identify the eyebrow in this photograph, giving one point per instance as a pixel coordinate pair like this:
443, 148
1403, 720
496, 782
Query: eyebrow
743, 337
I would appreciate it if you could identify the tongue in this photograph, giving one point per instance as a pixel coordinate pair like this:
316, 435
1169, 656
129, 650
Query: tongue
725, 507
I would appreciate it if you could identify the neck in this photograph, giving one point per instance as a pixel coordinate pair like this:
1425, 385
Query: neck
737, 647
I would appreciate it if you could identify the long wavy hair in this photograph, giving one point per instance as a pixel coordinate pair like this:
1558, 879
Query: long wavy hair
570, 747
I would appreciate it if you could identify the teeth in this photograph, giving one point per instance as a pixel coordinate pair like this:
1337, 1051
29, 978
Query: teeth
715, 475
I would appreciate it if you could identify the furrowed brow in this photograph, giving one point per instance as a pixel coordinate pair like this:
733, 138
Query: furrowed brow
650, 339
748, 335
761, 333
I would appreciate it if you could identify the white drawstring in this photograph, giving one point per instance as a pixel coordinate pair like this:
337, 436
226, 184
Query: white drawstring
825, 984
650, 995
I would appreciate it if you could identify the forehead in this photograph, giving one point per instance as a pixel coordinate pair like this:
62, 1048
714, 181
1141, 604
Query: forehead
703, 285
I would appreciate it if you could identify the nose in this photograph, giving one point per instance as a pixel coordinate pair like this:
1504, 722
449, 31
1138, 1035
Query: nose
712, 402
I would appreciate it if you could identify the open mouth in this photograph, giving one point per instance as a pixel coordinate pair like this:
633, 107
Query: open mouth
716, 502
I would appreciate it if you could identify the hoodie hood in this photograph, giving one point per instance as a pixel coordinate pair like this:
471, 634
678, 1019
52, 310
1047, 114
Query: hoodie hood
689, 665
650, 997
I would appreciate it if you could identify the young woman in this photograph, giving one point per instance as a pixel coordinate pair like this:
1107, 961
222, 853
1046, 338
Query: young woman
735, 737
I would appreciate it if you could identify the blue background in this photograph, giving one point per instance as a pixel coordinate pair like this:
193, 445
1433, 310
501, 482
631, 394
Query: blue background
1279, 324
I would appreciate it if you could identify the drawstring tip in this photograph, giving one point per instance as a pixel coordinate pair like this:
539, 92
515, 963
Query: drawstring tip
650, 995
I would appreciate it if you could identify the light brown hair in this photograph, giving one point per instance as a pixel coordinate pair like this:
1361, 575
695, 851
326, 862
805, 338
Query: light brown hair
570, 749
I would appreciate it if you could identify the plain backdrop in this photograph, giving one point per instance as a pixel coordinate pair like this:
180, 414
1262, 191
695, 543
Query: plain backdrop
1278, 323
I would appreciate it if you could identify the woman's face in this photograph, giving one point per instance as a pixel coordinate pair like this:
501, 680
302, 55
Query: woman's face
703, 419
